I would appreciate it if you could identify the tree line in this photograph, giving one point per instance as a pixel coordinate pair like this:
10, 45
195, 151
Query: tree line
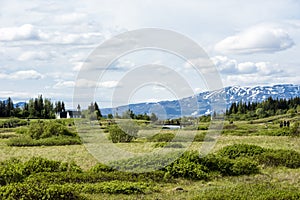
266, 108
39, 107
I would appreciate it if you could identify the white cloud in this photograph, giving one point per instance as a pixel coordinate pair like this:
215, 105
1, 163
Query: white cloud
247, 67
77, 66
22, 75
64, 84
224, 64
257, 39
69, 18
24, 32
30, 32
84, 83
108, 84
33, 55
229, 66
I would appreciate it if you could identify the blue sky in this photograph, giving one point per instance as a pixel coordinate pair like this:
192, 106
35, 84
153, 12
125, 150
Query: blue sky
43, 44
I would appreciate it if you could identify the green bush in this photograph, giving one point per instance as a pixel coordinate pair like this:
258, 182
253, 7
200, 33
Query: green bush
287, 158
243, 166
162, 137
190, 170
211, 163
12, 123
258, 191
160, 144
123, 134
101, 168
240, 150
11, 171
46, 129
96, 177
200, 137
38, 191
15, 171
115, 187
174, 145
51, 141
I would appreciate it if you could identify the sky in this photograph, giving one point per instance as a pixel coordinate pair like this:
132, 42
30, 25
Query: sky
44, 45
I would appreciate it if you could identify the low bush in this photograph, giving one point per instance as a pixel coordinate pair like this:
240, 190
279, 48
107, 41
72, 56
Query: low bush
190, 170
202, 127
12, 123
162, 137
200, 137
93, 177
258, 191
101, 168
240, 150
51, 141
174, 145
191, 165
286, 158
13, 170
160, 144
114, 187
38, 191
125, 133
46, 129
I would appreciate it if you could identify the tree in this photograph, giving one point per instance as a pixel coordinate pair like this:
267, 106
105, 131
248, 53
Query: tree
153, 117
110, 116
97, 111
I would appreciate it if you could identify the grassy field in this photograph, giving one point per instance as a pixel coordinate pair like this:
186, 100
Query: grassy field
243, 132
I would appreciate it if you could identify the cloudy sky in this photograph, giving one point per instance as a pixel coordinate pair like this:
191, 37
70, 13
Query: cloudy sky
44, 44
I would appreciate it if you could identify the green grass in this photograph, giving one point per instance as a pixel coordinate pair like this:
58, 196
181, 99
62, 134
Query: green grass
279, 180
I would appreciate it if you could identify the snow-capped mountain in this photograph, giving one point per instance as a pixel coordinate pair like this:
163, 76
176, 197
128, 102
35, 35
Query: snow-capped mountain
203, 103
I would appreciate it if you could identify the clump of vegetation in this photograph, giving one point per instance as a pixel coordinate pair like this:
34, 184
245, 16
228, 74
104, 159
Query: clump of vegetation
162, 137
123, 133
13, 170
240, 150
39, 191
13, 123
47, 133
251, 192
101, 168
267, 157
168, 145
286, 158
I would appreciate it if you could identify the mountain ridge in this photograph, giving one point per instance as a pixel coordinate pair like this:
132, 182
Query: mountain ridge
230, 94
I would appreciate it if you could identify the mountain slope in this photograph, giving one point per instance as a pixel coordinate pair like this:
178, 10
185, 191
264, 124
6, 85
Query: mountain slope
204, 101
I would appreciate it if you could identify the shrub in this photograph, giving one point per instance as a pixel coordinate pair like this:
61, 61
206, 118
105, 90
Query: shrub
101, 168
11, 171
162, 137
160, 144
51, 141
251, 192
43, 129
174, 145
200, 137
287, 158
240, 150
190, 170
202, 127
116, 134
243, 166
38, 191
95, 177
15, 171
115, 187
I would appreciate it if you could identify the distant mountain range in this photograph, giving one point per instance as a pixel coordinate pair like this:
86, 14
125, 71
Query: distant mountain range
204, 100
